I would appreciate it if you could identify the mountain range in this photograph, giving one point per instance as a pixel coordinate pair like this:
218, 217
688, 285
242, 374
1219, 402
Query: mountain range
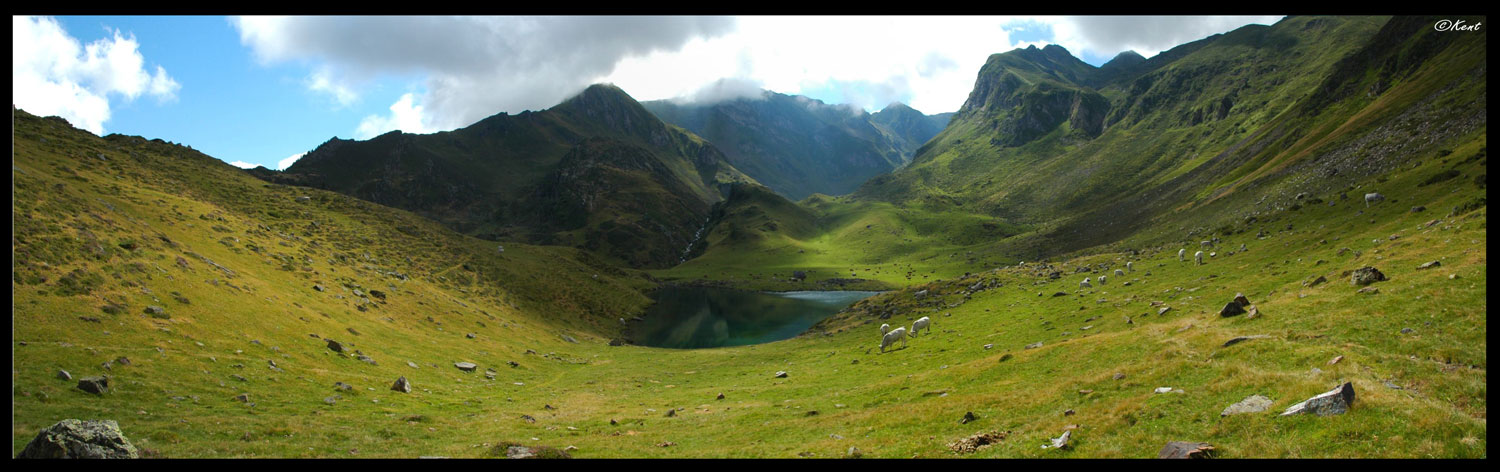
1331, 173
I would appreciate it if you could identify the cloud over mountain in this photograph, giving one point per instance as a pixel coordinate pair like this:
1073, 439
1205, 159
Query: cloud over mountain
471, 67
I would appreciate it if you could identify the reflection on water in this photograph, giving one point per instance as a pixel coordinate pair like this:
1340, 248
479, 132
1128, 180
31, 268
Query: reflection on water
698, 317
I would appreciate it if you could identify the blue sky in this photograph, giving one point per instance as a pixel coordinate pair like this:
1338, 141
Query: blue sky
256, 91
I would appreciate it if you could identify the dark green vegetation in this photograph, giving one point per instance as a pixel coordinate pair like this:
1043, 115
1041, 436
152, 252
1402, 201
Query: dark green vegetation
245, 274
799, 146
596, 172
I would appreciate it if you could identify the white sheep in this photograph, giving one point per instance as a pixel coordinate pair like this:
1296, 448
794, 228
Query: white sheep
1373, 197
1198, 257
893, 336
1182, 254
1085, 283
885, 328
1101, 280
1130, 266
921, 323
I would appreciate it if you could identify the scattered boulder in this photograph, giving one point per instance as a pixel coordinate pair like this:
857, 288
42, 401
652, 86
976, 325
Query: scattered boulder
1241, 339
720, 397
335, 346
569, 339
978, 440
968, 416
95, 385
519, 452
671, 412
64, 375
1429, 265
401, 385
304, 199
1034, 345
1163, 310
1251, 404
77, 439
1333, 402
466, 366
1061, 441
1368, 290
1240, 299
1366, 275
1315, 282
1186, 450
1232, 309
616, 342
780, 374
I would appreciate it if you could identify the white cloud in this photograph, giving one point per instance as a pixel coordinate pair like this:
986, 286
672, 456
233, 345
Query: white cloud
54, 74
929, 61
1147, 35
724, 90
243, 165
405, 116
285, 163
873, 60
321, 81
472, 67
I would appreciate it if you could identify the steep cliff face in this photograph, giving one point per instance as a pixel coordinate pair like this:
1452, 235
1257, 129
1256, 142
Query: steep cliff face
1040, 141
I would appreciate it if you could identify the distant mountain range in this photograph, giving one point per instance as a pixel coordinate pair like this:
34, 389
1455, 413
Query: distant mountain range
799, 146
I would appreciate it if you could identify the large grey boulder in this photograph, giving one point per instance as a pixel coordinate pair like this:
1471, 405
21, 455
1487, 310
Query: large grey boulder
1333, 402
401, 385
1251, 404
1186, 450
95, 385
1366, 275
76, 439
466, 366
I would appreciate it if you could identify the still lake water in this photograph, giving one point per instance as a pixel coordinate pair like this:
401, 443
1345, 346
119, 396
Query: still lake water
700, 317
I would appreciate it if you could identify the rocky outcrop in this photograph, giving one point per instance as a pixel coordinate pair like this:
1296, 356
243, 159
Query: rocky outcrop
1333, 402
76, 439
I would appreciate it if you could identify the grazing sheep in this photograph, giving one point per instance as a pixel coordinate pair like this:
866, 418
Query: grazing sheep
1182, 254
921, 323
1085, 283
885, 328
1119, 273
890, 338
1373, 197
1101, 280
1130, 266
1198, 257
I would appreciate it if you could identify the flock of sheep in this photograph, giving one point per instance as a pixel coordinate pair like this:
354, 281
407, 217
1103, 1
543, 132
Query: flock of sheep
888, 336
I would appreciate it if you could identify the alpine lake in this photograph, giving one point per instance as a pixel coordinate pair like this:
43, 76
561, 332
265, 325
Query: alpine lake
707, 317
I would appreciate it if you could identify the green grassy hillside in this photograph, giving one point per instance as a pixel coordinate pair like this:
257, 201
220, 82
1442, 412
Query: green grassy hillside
100, 239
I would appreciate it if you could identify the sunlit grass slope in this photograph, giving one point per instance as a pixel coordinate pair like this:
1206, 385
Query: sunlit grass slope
100, 239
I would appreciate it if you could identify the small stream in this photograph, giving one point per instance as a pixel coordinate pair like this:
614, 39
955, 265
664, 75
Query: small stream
704, 317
